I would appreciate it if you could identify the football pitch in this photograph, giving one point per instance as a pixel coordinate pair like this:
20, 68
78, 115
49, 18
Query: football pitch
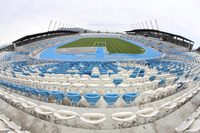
113, 45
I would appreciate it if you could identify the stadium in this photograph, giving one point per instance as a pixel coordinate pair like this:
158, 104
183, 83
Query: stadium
142, 80
103, 66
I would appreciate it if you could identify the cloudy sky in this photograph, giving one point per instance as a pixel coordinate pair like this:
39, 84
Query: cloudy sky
22, 17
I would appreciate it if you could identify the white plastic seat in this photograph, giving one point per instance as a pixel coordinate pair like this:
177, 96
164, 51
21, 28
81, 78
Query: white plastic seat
149, 92
177, 99
146, 113
3, 117
171, 106
10, 124
109, 85
184, 126
123, 85
148, 95
189, 95
9, 97
123, 116
194, 115
3, 127
198, 89
94, 80
195, 127
2, 93
13, 126
29, 107
182, 100
31, 104
166, 105
65, 114
160, 91
93, 118
194, 91
21, 99
16, 101
106, 80
44, 110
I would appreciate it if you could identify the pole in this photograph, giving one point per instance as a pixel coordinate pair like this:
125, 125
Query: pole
54, 25
151, 24
63, 25
134, 26
131, 27
49, 25
66, 26
156, 24
59, 25
139, 26
147, 24
143, 25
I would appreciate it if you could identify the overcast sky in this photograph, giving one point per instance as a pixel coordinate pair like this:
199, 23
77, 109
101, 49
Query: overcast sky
22, 17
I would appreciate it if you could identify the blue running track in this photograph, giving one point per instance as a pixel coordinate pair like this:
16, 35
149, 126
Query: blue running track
100, 54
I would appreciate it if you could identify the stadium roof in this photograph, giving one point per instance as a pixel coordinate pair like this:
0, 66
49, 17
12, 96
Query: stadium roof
44, 34
152, 30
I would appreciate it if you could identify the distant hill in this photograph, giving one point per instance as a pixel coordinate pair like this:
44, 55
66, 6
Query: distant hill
81, 30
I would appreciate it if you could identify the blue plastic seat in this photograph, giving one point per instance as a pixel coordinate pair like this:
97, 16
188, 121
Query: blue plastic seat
94, 76
134, 75
196, 78
117, 81
129, 97
92, 98
152, 78
22, 88
43, 93
32, 91
14, 86
25, 89
74, 97
141, 75
162, 82
159, 73
58, 95
111, 98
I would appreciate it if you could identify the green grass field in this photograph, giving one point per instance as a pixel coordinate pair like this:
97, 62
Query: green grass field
113, 45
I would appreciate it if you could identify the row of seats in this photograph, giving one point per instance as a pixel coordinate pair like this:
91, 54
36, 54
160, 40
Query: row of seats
42, 44
139, 117
52, 83
73, 97
90, 85
93, 98
163, 46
